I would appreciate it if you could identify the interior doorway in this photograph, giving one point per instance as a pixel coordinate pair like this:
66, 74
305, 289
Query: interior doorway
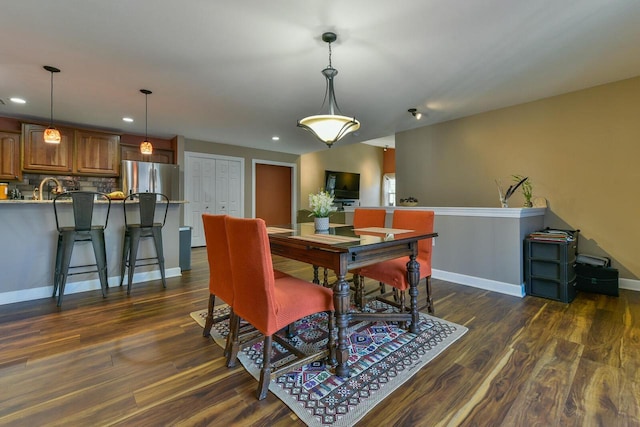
274, 192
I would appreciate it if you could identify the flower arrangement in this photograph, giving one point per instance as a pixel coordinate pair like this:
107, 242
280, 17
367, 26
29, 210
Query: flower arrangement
321, 204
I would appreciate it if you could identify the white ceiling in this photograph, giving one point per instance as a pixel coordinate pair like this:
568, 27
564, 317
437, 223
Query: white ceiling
239, 72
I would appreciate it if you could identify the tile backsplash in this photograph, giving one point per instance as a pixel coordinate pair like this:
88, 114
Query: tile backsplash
86, 183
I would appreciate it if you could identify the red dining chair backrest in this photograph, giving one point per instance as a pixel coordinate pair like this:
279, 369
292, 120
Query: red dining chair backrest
220, 279
368, 218
419, 221
253, 273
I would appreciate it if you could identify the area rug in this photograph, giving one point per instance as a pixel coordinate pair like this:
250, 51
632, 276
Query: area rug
382, 357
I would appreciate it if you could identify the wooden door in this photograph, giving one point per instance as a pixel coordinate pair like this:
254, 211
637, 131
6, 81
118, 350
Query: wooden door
273, 193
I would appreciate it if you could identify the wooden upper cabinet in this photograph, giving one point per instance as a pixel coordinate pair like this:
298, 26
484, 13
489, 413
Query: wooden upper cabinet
132, 152
10, 156
97, 153
38, 156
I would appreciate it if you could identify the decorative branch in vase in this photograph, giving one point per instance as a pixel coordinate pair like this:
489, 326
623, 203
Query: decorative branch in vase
504, 196
527, 189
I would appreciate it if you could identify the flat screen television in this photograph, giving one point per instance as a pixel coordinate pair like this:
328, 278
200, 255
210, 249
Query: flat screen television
343, 185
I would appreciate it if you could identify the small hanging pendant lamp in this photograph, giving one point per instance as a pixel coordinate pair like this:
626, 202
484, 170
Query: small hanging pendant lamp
51, 134
145, 146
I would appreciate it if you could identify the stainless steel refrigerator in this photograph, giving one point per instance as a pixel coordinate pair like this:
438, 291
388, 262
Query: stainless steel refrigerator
141, 177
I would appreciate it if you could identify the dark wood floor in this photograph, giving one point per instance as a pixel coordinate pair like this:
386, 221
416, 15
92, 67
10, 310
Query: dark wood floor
141, 360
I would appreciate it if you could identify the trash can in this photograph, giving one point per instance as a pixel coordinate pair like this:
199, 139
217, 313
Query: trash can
185, 248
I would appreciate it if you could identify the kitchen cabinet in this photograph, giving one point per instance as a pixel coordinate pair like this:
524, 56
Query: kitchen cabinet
97, 153
38, 156
132, 152
10, 156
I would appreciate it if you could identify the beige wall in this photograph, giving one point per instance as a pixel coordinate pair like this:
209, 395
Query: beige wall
359, 158
580, 150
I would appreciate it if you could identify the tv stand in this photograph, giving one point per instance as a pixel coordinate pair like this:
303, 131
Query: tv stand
341, 203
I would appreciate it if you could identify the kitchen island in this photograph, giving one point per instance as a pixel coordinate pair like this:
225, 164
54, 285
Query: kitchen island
479, 247
28, 250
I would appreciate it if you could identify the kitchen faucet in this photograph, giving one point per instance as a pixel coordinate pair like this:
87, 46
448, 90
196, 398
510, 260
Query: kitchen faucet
44, 181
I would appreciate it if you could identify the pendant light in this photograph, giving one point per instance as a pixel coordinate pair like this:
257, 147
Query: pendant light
145, 146
51, 134
330, 125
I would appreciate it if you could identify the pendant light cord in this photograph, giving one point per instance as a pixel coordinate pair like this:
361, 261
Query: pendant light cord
146, 115
51, 99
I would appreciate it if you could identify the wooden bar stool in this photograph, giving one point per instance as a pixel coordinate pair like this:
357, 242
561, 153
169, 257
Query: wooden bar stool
146, 227
83, 229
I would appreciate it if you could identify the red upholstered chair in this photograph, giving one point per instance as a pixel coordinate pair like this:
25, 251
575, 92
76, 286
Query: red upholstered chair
220, 280
364, 218
268, 302
394, 272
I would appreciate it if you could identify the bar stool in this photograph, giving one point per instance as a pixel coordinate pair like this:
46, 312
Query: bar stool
146, 227
82, 230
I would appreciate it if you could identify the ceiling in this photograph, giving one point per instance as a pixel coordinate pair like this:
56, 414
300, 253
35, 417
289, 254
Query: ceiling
240, 72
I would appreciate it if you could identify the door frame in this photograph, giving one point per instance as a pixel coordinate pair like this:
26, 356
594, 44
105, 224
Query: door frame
294, 185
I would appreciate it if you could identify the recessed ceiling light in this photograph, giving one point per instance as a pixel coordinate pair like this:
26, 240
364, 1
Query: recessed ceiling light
18, 100
275, 138
127, 119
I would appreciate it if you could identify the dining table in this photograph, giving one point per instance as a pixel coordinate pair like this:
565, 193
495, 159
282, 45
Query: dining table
342, 249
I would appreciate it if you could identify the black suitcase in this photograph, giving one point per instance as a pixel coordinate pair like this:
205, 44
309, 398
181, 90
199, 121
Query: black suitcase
600, 280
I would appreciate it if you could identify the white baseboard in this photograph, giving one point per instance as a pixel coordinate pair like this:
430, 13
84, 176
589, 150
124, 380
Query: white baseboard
630, 284
82, 286
508, 288
478, 282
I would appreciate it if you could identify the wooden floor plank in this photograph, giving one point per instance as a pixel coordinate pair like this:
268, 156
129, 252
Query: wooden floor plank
140, 359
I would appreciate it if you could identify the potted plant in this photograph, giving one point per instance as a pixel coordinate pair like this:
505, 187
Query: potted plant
321, 206
409, 201
527, 190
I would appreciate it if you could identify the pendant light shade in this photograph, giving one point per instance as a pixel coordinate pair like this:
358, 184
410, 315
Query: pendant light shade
51, 134
331, 125
145, 146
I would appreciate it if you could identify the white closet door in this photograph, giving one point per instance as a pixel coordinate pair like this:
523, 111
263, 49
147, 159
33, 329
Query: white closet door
213, 184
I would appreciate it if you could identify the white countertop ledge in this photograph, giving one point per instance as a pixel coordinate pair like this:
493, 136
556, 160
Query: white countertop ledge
464, 211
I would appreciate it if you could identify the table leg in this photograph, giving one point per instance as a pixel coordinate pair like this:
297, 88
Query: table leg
341, 305
316, 279
413, 274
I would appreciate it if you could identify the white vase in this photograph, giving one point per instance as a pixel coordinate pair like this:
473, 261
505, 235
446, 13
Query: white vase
321, 224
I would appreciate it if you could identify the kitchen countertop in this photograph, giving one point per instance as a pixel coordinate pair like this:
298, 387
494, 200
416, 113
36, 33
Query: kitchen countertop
38, 202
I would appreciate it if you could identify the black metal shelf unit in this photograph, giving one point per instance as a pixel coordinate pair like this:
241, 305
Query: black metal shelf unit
549, 267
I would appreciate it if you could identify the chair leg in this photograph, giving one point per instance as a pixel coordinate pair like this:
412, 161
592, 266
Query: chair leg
265, 373
100, 253
134, 242
234, 345
125, 255
209, 322
331, 342
430, 308
157, 241
58, 267
358, 291
65, 260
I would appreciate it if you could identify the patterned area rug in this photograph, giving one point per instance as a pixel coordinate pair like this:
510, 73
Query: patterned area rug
382, 357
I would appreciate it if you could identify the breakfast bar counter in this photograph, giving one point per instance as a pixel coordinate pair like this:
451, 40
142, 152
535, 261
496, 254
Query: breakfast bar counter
28, 249
480, 247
